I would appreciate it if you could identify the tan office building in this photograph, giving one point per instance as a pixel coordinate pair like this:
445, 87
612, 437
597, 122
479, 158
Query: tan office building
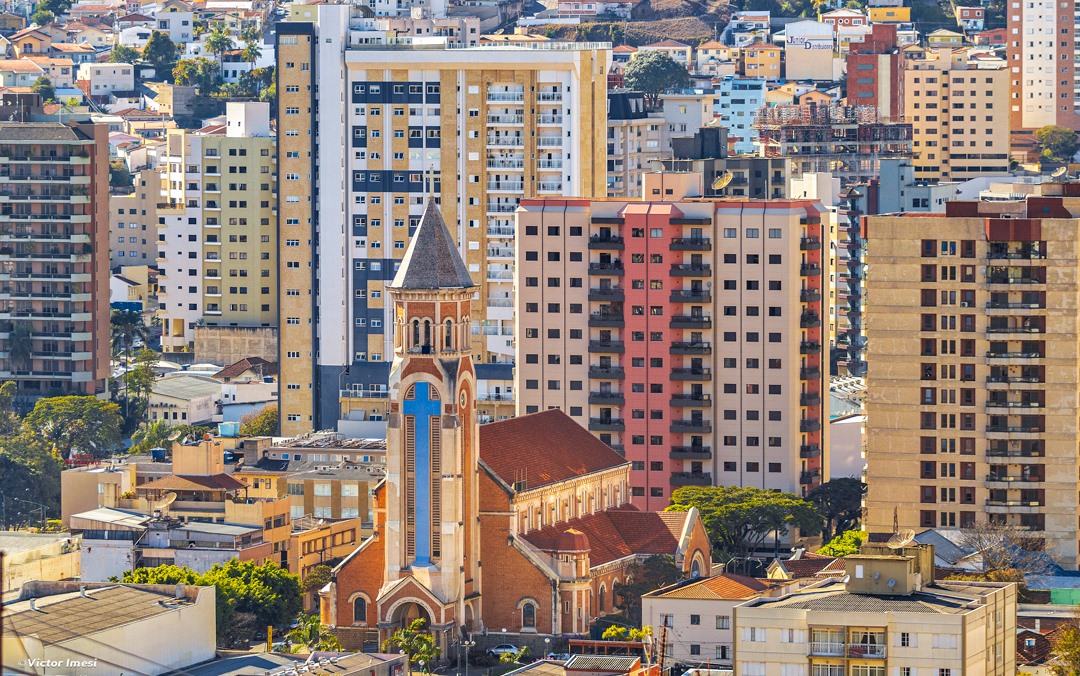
133, 223
520, 120
685, 332
958, 107
971, 396
217, 241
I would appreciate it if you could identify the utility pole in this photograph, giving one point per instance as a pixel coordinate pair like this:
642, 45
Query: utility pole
663, 648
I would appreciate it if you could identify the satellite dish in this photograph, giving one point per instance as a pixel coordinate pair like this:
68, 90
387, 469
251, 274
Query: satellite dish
901, 539
165, 501
892, 582
1059, 172
174, 436
722, 180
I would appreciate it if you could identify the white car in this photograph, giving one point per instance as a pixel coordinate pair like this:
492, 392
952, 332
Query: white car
503, 649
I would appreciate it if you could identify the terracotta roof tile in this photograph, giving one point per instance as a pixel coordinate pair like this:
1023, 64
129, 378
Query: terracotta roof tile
724, 586
188, 482
807, 566
616, 533
257, 364
543, 448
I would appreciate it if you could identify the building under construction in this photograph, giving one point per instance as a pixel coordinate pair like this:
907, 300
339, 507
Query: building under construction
848, 141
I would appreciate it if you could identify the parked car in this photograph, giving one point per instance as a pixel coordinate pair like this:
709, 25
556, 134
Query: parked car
503, 649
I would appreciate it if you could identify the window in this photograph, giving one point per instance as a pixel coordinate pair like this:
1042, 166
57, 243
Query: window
695, 619
359, 610
723, 621
667, 620
528, 615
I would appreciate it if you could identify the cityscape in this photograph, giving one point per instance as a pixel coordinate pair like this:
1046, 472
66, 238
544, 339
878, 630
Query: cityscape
548, 338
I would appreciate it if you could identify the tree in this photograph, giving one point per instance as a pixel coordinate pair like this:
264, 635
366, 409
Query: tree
840, 502
9, 419
22, 347
1009, 553
42, 17
154, 434
27, 471
313, 634
139, 381
218, 42
1057, 144
76, 424
317, 578
44, 87
251, 52
120, 177
1065, 655
160, 52
641, 578
261, 424
55, 7
123, 54
417, 644
738, 519
199, 72
653, 73
844, 544
513, 658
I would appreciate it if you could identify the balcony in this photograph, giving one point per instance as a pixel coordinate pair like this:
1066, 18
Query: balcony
810, 243
691, 322
700, 347
691, 426
691, 244
809, 399
1013, 503
810, 270
809, 320
506, 141
1014, 453
809, 374
549, 186
866, 651
1014, 479
693, 374
691, 270
610, 293
809, 295
691, 479
607, 398
615, 269
546, 165
607, 320
607, 243
809, 425
810, 477
1014, 429
998, 305
992, 405
506, 186
607, 424
499, 97
505, 164
549, 119
691, 453
826, 649
691, 400
609, 372
607, 346
506, 119
809, 451
691, 297
1027, 255
810, 347
1011, 358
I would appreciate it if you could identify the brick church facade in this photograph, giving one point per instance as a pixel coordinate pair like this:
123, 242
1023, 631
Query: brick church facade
523, 525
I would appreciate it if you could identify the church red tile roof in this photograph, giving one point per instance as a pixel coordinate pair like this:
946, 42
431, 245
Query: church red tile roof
617, 533
543, 448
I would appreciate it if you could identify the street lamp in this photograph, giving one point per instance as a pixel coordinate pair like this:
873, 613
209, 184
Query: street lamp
39, 506
547, 648
467, 644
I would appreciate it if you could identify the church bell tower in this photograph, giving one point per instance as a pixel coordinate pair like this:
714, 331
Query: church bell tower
432, 436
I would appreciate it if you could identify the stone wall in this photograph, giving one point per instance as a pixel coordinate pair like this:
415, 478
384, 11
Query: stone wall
228, 344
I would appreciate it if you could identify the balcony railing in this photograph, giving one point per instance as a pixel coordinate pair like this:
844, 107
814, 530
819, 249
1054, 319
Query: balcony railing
691, 479
809, 451
691, 244
810, 243
610, 293
612, 372
690, 297
606, 269
691, 374
604, 397
826, 649
691, 452
691, 426
691, 270
866, 651
691, 322
700, 347
607, 424
606, 243
691, 400
611, 346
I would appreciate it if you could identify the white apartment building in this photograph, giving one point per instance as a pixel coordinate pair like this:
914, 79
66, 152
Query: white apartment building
106, 78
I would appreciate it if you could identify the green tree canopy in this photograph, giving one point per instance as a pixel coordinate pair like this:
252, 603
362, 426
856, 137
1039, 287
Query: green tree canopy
251, 52
1065, 658
641, 578
317, 578
219, 41
123, 54
264, 423
44, 86
200, 72
28, 471
312, 634
844, 544
738, 519
653, 72
151, 434
269, 593
120, 177
417, 643
840, 502
1057, 144
160, 52
42, 17
76, 424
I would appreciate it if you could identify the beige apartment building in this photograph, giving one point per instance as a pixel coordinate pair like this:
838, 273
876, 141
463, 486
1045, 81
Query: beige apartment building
133, 222
635, 142
217, 234
972, 398
886, 617
958, 107
520, 120
686, 332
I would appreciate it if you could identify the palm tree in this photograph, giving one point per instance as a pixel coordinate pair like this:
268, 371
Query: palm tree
154, 434
313, 634
251, 33
218, 42
21, 350
126, 326
251, 53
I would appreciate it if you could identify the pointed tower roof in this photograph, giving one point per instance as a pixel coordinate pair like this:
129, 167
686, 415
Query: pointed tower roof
432, 261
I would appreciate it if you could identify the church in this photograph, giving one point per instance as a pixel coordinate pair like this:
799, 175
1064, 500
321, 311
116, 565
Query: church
523, 525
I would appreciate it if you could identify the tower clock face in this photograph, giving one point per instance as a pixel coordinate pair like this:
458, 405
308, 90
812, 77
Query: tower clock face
464, 399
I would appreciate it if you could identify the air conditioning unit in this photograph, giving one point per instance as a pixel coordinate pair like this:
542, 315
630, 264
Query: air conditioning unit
963, 304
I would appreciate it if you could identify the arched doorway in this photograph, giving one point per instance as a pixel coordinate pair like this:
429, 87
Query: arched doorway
407, 613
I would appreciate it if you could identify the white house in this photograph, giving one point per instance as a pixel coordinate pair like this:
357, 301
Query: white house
176, 20
186, 399
134, 36
106, 78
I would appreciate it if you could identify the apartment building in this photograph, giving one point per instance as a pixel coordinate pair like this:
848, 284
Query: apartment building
133, 222
217, 238
635, 142
973, 390
54, 262
886, 616
737, 103
875, 71
685, 332
529, 120
956, 105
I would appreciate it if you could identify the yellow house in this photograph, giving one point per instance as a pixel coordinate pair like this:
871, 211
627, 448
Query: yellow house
760, 60
889, 14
